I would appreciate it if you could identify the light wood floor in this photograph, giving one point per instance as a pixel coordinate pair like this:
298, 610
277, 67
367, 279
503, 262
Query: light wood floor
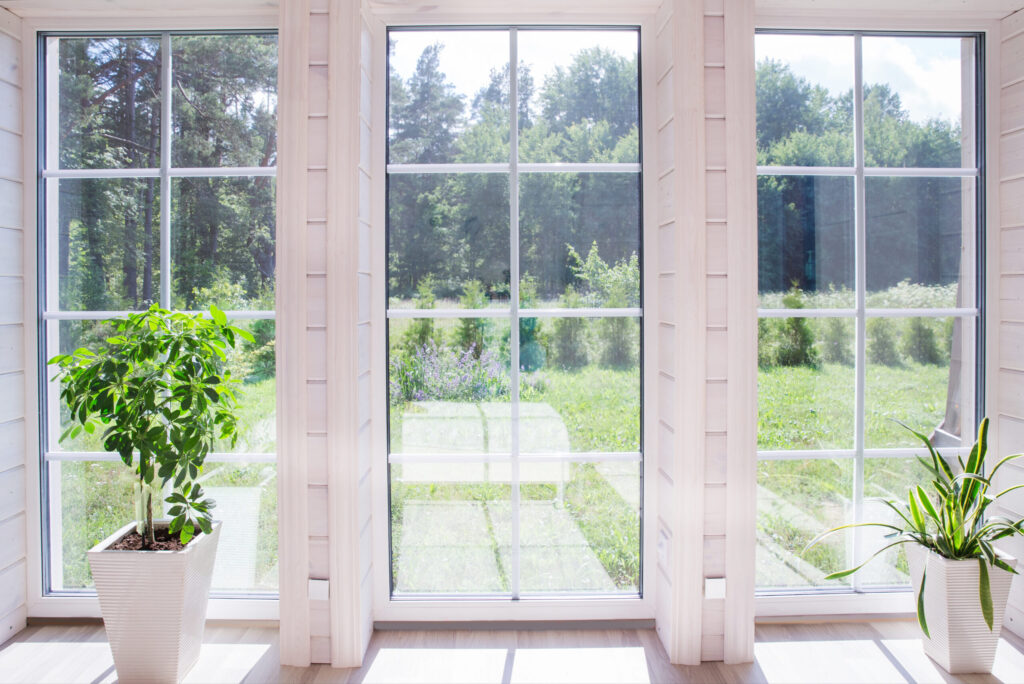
881, 651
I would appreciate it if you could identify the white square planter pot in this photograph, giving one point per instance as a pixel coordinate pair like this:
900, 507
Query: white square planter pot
960, 640
154, 605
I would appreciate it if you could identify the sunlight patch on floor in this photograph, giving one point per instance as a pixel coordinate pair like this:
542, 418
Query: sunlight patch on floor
813, 662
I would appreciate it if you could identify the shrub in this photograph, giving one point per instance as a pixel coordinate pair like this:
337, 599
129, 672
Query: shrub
421, 330
835, 344
765, 343
443, 373
882, 342
796, 340
472, 332
570, 334
532, 354
919, 342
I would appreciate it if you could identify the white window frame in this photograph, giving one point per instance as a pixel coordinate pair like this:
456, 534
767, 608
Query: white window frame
41, 604
387, 609
810, 602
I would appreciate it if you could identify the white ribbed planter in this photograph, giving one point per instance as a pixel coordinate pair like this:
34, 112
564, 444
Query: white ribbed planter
960, 640
154, 605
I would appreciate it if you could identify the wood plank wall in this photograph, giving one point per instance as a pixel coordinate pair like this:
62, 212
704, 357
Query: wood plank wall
325, 338
13, 540
1008, 258
706, 287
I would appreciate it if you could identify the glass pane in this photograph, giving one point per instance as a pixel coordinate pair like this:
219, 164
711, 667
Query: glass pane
917, 230
804, 100
93, 500
64, 337
805, 242
448, 241
797, 501
580, 97
448, 386
887, 478
448, 97
579, 385
805, 385
579, 240
255, 366
109, 103
108, 243
580, 527
223, 243
225, 100
246, 496
918, 101
449, 528
917, 374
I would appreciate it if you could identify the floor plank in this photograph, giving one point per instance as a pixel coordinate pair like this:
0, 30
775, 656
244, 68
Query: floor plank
879, 651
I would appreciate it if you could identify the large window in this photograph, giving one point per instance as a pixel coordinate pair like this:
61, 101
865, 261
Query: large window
514, 312
869, 188
157, 164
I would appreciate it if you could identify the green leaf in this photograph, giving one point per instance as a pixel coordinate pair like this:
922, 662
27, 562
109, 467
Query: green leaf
985, 591
218, 316
187, 532
920, 606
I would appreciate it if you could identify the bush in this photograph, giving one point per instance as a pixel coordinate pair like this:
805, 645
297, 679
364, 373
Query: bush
443, 373
882, 342
472, 332
765, 343
919, 342
835, 344
570, 334
532, 352
421, 330
796, 339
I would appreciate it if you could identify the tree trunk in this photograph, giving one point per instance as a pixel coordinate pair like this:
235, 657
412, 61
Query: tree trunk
130, 262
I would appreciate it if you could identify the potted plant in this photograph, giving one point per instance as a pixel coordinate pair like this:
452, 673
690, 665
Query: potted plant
158, 391
961, 581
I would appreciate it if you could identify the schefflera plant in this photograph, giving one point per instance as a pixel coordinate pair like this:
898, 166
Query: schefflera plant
159, 391
950, 518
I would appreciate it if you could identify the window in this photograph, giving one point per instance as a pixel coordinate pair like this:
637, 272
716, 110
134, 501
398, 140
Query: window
869, 191
514, 312
157, 186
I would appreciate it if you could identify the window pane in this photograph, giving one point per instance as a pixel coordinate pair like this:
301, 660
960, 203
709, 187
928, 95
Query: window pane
108, 242
579, 385
448, 97
918, 101
805, 384
449, 528
448, 386
887, 478
804, 100
797, 501
579, 240
917, 230
94, 500
225, 100
448, 241
579, 93
580, 527
223, 234
254, 365
246, 496
109, 103
805, 242
916, 373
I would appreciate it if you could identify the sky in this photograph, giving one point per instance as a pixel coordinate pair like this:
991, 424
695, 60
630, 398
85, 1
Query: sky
469, 55
925, 71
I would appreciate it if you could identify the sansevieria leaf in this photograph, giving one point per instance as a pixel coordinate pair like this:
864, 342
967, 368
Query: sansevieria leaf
985, 591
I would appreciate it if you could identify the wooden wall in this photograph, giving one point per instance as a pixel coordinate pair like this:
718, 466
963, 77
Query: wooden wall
324, 334
706, 308
13, 541
1007, 257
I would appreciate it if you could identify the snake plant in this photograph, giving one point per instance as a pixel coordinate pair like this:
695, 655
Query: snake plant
949, 517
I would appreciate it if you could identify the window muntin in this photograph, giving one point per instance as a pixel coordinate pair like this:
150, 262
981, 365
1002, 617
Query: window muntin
124, 225
878, 249
514, 412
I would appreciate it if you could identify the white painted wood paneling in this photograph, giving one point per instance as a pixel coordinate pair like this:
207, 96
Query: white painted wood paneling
12, 496
1009, 392
13, 542
13, 592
